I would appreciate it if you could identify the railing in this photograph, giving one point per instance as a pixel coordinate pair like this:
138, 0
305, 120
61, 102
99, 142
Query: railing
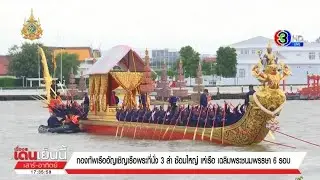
21, 92
212, 90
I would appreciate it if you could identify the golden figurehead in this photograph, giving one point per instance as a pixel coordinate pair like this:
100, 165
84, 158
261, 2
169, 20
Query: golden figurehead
32, 28
270, 98
268, 58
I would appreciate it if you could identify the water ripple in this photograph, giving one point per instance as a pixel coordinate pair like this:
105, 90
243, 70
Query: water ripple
20, 121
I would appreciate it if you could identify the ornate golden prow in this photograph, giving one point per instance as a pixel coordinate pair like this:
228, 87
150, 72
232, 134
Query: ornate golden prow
269, 100
46, 75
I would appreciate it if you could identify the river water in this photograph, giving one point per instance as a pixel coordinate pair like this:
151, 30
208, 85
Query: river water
20, 120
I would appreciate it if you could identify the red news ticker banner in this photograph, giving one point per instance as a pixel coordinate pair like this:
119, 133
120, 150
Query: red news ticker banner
183, 171
40, 165
61, 165
170, 163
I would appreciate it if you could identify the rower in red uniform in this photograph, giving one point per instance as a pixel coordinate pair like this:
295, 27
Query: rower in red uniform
52, 104
58, 98
72, 121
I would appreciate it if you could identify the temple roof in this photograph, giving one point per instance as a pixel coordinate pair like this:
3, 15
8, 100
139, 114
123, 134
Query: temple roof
123, 56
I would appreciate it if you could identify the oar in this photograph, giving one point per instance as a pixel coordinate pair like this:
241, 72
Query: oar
185, 130
53, 91
130, 124
119, 123
155, 129
135, 128
147, 127
271, 135
41, 97
179, 118
122, 129
195, 131
223, 123
204, 129
41, 100
167, 129
214, 119
124, 122
165, 117
44, 102
38, 99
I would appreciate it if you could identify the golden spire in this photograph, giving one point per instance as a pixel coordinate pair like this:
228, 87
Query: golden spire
146, 57
31, 18
269, 44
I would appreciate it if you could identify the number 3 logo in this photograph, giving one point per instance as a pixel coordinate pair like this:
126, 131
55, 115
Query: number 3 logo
283, 38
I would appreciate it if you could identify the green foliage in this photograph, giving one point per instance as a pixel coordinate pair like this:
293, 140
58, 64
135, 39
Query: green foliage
172, 72
190, 59
226, 62
208, 68
25, 60
154, 75
7, 82
158, 73
69, 61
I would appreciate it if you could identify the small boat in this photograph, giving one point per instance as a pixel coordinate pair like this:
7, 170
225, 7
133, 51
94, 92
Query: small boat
64, 129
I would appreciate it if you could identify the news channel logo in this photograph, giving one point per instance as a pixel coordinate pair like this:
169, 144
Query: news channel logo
285, 38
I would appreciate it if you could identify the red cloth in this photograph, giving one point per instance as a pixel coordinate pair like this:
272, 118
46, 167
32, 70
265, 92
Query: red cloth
113, 100
75, 119
52, 105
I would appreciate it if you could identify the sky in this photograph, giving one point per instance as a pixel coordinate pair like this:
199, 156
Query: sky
203, 24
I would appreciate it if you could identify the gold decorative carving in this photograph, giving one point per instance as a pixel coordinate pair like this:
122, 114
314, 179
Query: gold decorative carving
32, 28
129, 81
97, 84
264, 105
91, 92
108, 115
103, 91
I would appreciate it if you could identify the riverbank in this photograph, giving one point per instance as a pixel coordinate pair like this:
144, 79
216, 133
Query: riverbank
224, 92
214, 97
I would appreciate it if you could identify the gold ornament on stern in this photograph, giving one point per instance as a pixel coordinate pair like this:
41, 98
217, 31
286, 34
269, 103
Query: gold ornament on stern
32, 28
272, 73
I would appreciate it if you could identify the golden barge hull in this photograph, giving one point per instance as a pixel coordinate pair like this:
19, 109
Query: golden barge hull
250, 129
264, 106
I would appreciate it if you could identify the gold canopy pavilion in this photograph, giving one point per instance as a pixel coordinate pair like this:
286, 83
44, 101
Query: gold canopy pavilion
121, 67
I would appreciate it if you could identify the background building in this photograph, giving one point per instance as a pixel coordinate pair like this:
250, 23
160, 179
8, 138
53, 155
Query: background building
161, 56
87, 56
4, 62
301, 60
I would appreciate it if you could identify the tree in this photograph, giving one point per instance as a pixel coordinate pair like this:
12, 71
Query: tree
25, 60
209, 68
226, 62
190, 59
158, 73
69, 61
154, 75
172, 72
